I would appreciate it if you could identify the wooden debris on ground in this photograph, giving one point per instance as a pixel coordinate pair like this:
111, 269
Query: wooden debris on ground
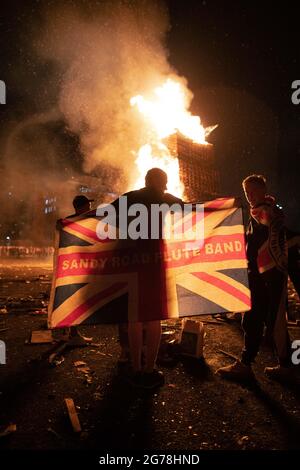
73, 414
228, 354
41, 336
79, 363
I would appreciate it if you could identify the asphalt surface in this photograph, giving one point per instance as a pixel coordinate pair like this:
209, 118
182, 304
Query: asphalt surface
194, 410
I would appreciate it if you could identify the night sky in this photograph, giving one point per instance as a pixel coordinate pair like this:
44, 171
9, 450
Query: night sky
240, 59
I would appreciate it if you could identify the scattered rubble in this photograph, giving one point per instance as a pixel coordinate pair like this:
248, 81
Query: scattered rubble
52, 431
228, 354
41, 336
79, 363
242, 440
178, 377
73, 415
57, 360
6, 430
84, 370
42, 311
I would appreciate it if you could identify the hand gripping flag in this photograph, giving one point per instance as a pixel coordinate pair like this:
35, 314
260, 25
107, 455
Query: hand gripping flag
106, 281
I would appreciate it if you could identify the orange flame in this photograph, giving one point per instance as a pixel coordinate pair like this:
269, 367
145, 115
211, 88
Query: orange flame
164, 115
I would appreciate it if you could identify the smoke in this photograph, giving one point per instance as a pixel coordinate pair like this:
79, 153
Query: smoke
104, 58
25, 135
33, 151
86, 62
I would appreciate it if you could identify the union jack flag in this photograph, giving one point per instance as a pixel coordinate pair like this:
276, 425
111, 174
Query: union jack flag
107, 281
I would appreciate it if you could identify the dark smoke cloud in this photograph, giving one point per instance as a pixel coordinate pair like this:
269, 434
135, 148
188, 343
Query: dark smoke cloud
104, 59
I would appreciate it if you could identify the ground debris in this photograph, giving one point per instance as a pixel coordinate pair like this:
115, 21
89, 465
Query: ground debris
6, 430
52, 431
88, 379
41, 336
228, 354
57, 360
85, 370
242, 440
103, 354
42, 311
73, 415
79, 363
212, 322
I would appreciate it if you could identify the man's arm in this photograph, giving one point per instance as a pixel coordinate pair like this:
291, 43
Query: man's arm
272, 216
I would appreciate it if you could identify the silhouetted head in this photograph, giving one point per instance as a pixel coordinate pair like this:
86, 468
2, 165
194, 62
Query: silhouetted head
82, 204
255, 189
156, 179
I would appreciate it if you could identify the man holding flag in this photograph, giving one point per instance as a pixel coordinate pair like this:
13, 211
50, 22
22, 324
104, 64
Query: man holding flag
267, 269
153, 193
108, 269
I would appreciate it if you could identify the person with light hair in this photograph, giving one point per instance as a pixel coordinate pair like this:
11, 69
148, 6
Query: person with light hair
268, 272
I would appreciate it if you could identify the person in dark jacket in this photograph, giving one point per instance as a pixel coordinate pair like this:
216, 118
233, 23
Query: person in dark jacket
267, 271
81, 205
148, 376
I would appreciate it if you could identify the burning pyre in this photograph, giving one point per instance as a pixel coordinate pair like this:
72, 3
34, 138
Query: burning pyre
165, 114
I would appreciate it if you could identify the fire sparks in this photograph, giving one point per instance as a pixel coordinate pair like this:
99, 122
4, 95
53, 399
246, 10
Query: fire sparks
164, 115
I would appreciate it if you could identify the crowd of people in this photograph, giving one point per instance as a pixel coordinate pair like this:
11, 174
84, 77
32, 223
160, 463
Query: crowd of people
268, 268
272, 254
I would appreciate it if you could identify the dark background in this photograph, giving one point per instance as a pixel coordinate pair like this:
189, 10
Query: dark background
240, 59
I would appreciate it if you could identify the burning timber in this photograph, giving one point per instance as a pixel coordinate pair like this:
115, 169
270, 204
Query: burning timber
197, 167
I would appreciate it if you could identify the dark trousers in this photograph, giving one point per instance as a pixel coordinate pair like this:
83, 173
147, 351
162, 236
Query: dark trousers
123, 336
268, 295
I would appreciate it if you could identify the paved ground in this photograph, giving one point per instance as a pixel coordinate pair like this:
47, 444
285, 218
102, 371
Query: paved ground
194, 410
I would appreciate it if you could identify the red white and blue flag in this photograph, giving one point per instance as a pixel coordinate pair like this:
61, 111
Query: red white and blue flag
107, 281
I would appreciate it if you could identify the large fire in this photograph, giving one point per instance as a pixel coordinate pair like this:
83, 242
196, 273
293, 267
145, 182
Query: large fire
164, 114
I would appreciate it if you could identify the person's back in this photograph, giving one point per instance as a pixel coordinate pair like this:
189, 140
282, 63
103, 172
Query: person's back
149, 195
152, 193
